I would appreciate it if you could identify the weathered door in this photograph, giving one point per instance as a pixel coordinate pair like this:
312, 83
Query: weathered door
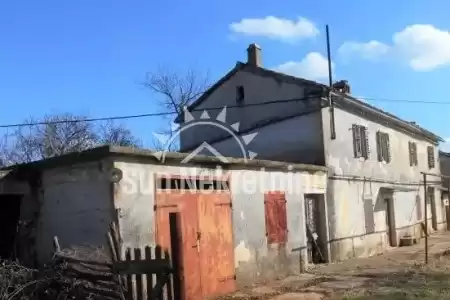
185, 204
391, 231
446, 209
216, 243
207, 239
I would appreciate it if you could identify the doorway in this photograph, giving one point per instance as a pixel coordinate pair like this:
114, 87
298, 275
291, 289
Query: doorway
391, 230
432, 206
445, 210
206, 241
9, 218
315, 224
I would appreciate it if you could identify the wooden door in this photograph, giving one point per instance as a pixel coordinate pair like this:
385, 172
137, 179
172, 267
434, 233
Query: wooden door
185, 203
390, 223
216, 244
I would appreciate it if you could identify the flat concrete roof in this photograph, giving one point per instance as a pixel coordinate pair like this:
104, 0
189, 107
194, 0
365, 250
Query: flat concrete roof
154, 157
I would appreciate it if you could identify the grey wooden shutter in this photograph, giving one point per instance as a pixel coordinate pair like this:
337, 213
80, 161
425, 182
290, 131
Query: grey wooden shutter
410, 150
355, 147
416, 160
388, 148
365, 142
379, 148
430, 151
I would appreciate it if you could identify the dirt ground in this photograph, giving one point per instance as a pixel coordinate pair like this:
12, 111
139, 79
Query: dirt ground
397, 274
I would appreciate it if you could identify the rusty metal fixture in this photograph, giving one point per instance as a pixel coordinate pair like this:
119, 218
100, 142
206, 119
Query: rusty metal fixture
116, 175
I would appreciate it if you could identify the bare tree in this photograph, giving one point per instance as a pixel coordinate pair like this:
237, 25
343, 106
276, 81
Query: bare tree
175, 91
117, 134
60, 134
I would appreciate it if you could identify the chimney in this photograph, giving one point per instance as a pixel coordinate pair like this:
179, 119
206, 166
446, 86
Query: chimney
342, 86
254, 55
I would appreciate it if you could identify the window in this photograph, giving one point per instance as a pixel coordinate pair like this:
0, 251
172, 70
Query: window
413, 154
360, 141
383, 147
431, 159
275, 215
240, 95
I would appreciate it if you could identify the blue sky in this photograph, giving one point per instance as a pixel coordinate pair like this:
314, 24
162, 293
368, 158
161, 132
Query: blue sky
88, 57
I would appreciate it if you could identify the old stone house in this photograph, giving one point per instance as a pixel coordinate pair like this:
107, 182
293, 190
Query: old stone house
374, 159
240, 220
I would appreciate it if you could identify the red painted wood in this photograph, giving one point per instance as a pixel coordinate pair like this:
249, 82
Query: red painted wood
276, 217
216, 244
208, 262
186, 204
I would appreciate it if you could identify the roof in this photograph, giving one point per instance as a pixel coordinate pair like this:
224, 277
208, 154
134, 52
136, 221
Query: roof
340, 98
447, 154
147, 156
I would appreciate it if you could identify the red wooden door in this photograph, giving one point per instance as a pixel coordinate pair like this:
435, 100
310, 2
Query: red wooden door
186, 205
216, 244
207, 260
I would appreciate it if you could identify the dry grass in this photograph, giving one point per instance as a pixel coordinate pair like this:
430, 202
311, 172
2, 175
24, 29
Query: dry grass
413, 282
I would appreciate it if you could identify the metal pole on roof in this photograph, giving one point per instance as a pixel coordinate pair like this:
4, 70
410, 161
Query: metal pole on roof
330, 78
426, 216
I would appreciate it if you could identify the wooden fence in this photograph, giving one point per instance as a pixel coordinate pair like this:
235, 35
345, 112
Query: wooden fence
147, 273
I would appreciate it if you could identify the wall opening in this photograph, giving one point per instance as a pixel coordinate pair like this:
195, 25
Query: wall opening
316, 228
165, 183
391, 230
9, 218
432, 206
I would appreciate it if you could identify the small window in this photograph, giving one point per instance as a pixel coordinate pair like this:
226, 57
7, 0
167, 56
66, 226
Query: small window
360, 141
431, 158
383, 147
240, 95
413, 154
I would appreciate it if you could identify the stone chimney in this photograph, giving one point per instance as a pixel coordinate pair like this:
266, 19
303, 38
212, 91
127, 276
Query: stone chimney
254, 55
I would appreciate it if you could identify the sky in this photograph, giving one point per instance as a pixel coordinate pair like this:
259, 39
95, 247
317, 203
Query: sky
90, 57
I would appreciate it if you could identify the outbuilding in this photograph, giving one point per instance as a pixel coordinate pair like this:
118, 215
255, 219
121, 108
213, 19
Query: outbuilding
241, 220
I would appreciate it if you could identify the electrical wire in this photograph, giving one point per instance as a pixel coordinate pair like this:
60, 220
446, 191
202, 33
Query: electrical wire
147, 115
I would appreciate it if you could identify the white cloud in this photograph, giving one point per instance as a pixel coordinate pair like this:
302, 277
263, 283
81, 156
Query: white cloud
313, 66
423, 46
370, 50
276, 28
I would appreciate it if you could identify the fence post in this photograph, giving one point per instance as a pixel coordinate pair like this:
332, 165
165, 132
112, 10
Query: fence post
175, 237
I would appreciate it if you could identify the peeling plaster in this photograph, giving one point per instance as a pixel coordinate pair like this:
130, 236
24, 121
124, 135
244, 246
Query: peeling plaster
241, 254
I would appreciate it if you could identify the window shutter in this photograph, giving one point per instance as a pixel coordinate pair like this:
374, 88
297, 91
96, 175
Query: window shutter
379, 147
431, 159
282, 217
418, 208
388, 148
366, 142
410, 151
271, 218
416, 160
354, 131
276, 217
